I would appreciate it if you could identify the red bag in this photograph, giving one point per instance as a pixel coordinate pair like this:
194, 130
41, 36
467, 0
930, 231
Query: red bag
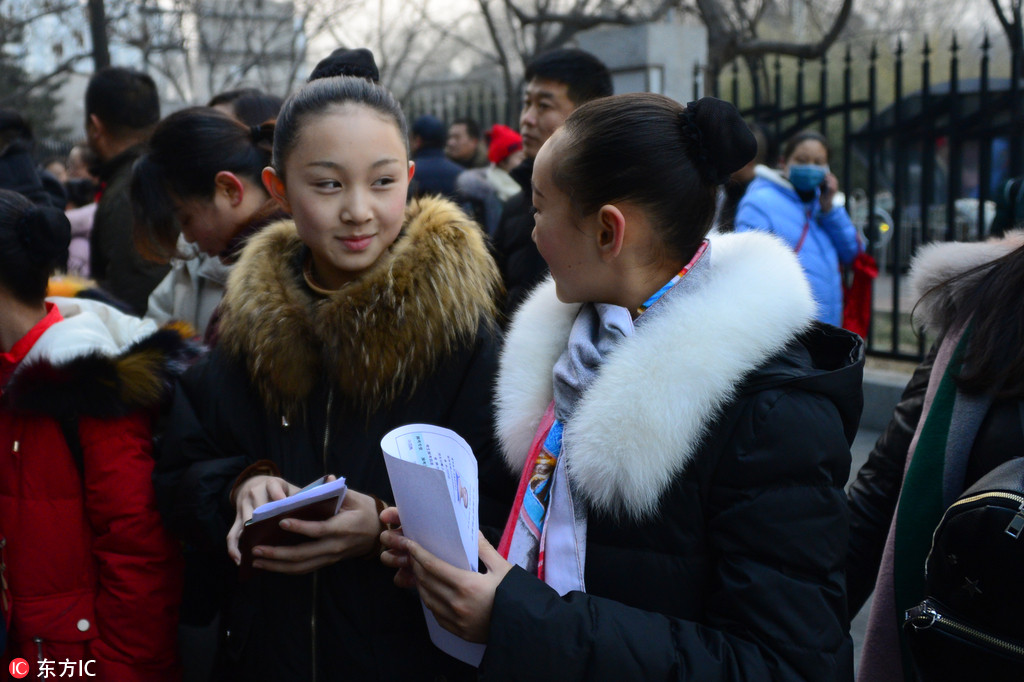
857, 294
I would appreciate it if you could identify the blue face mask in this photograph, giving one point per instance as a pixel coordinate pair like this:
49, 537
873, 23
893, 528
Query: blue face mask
806, 177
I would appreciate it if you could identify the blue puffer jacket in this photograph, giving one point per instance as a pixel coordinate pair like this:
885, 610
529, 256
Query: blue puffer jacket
772, 205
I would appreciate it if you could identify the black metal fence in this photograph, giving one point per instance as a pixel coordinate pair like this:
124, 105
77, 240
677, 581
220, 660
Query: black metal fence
485, 103
918, 164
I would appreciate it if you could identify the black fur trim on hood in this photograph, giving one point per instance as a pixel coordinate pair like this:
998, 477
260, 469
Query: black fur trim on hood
103, 386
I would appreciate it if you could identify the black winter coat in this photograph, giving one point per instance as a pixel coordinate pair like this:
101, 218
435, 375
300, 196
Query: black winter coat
114, 261
313, 384
522, 267
711, 452
435, 174
873, 494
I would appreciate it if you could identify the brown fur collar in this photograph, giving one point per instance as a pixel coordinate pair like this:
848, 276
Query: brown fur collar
374, 338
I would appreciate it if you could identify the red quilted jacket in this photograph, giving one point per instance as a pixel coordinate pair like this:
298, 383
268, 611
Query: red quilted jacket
89, 571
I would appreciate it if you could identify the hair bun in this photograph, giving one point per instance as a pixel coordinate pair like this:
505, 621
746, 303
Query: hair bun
263, 132
262, 135
720, 141
45, 233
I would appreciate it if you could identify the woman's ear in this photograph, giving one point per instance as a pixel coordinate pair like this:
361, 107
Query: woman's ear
275, 186
611, 231
231, 185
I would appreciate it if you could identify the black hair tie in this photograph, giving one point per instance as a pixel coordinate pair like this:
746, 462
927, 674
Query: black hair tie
256, 133
697, 148
710, 172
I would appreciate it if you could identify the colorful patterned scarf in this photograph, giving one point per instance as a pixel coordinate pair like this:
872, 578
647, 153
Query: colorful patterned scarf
598, 328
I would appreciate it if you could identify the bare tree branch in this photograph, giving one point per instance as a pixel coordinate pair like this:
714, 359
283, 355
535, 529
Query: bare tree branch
581, 21
503, 63
450, 33
759, 48
15, 23
1001, 15
64, 67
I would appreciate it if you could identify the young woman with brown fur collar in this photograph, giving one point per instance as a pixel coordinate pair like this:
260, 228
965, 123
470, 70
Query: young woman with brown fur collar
361, 315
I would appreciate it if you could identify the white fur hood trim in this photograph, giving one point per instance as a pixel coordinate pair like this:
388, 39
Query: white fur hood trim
641, 421
772, 175
88, 327
935, 263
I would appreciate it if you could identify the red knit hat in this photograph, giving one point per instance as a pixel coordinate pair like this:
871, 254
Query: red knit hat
502, 141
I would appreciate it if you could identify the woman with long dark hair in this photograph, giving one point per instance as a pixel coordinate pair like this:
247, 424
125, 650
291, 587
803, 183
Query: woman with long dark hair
958, 419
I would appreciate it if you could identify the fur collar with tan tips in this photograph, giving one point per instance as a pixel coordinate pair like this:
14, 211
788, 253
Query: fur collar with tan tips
374, 338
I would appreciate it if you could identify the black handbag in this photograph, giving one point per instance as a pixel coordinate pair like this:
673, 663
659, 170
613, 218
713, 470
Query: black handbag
971, 625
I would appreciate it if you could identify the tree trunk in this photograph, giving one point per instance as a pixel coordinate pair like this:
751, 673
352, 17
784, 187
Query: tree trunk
98, 29
721, 42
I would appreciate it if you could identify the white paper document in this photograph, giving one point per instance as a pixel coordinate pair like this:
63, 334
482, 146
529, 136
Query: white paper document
316, 491
434, 479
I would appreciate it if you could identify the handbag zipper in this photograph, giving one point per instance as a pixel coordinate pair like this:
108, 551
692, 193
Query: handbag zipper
924, 616
1016, 525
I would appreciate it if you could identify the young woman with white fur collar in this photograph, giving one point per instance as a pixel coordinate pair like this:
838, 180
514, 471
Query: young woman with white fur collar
681, 423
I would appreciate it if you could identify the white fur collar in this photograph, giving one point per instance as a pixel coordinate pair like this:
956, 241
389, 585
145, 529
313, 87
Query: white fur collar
89, 327
641, 421
772, 175
935, 263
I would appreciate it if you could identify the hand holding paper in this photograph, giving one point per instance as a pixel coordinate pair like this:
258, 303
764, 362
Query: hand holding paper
461, 601
434, 479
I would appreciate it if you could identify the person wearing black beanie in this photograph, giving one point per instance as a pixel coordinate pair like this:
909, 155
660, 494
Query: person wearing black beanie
435, 173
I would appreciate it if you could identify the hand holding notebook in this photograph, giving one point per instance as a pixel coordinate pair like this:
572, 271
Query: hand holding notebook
316, 502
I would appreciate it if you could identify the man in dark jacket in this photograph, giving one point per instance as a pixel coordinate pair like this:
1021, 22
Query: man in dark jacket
121, 108
435, 173
557, 82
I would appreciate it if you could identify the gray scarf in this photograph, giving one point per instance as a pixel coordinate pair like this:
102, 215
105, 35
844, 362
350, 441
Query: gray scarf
599, 328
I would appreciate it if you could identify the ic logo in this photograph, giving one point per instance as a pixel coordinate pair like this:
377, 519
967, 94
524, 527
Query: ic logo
19, 668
